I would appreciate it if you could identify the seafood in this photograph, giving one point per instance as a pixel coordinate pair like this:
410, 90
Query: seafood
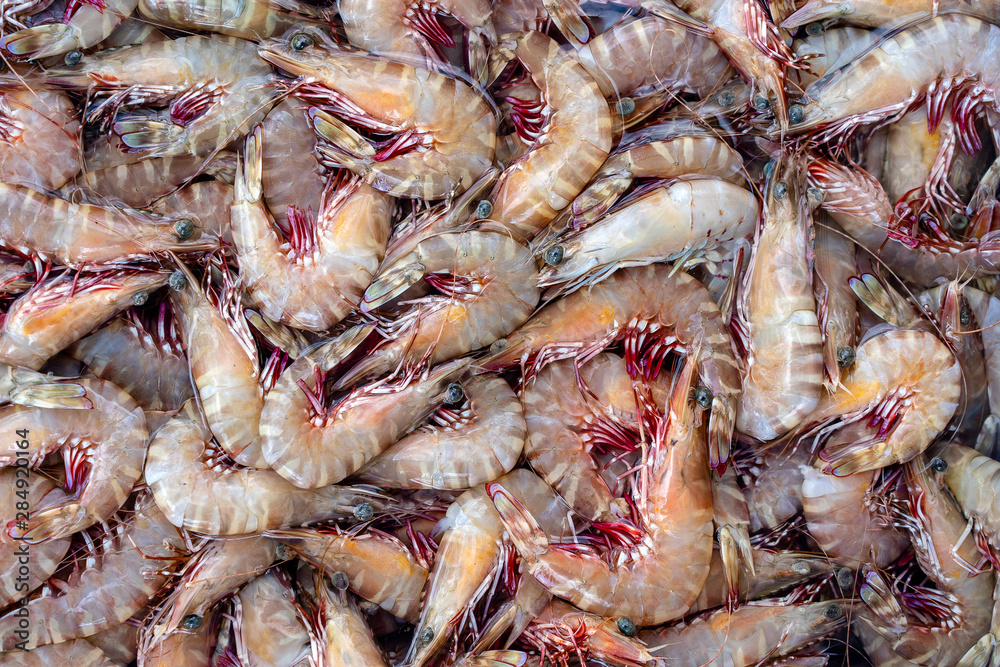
254, 20
76, 652
83, 25
33, 121
269, 628
874, 14
345, 635
835, 302
561, 629
291, 173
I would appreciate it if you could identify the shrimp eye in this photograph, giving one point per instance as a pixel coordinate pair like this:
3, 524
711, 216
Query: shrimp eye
814, 29
815, 194
427, 636
845, 577
191, 622
761, 103
833, 612
964, 316
73, 58
300, 41
454, 394
177, 281
769, 168
780, 190
703, 397
498, 346
959, 221
282, 553
626, 105
484, 208
800, 567
554, 255
727, 98
796, 113
364, 512
184, 228
340, 581
140, 298
845, 356
626, 626
938, 464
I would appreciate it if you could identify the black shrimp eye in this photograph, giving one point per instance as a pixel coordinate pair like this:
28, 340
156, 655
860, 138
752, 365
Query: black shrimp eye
938, 464
796, 113
816, 194
554, 255
340, 581
780, 190
191, 622
300, 41
498, 346
427, 636
761, 103
184, 228
626, 105
814, 29
769, 168
282, 553
454, 394
964, 316
140, 298
703, 397
73, 58
959, 221
833, 612
484, 208
845, 356
845, 577
364, 512
177, 281
626, 626
727, 98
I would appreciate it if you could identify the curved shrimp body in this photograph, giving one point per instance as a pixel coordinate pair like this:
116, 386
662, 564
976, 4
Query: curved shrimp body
317, 276
655, 308
470, 551
269, 623
230, 501
78, 234
972, 479
747, 636
784, 376
77, 652
32, 122
908, 383
379, 568
55, 314
253, 20
291, 173
490, 286
888, 79
572, 145
84, 24
132, 564
103, 448
42, 559
448, 128
684, 219
462, 447
659, 579
836, 304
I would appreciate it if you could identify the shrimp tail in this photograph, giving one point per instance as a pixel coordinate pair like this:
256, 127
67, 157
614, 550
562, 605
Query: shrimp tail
569, 19
869, 453
146, 136
248, 176
882, 300
720, 428
599, 196
40, 41
500, 659
524, 531
346, 147
734, 547
880, 600
52, 523
391, 284
68, 396
666, 10
985, 652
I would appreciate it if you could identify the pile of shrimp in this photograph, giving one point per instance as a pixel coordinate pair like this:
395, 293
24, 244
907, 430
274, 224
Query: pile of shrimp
494, 333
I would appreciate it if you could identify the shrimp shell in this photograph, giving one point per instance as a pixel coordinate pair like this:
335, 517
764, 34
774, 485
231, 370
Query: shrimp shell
36, 122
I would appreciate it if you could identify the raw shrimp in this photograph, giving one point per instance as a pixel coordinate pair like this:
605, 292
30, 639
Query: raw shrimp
25, 568
78, 652
254, 20
180, 649
115, 579
732, 530
562, 631
906, 383
103, 449
745, 637
470, 554
660, 578
83, 25
573, 142
476, 440
200, 203
875, 13
655, 309
291, 174
686, 221
489, 284
377, 566
826, 48
16, 275
76, 234
316, 275
199, 492
784, 376
970, 476
835, 302
269, 627
58, 312
446, 128
35, 121
345, 640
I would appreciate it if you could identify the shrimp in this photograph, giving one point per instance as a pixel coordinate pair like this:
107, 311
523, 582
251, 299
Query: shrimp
835, 302
470, 555
209, 105
660, 578
446, 128
344, 636
316, 275
58, 312
269, 627
655, 309
32, 122
200, 203
493, 659
376, 566
685, 220
116, 577
969, 476
471, 442
573, 142
254, 20
230, 501
77, 652
731, 516
876, 13
745, 637
406, 26
561, 631
772, 484
827, 48
83, 25
25, 568
784, 376
180, 649
103, 449
77, 234
490, 287
291, 173
906, 383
